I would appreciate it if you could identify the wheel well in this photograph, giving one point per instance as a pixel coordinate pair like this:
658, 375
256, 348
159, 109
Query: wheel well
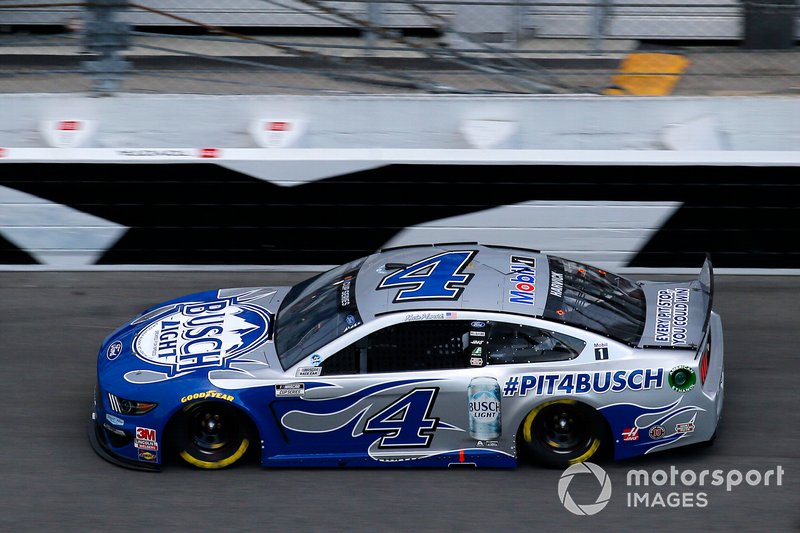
169, 428
606, 440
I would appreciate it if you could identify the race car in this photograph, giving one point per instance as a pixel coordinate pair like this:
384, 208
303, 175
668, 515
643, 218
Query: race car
420, 356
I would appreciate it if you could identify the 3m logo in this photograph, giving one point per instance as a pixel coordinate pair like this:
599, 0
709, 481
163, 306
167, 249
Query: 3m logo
145, 439
146, 434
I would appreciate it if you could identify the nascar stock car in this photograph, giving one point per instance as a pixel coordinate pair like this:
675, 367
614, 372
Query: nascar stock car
428, 355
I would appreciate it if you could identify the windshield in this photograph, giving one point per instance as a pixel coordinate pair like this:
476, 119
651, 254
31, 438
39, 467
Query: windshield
315, 312
594, 299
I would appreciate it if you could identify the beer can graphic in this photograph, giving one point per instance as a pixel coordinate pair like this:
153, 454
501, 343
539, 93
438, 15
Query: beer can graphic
483, 396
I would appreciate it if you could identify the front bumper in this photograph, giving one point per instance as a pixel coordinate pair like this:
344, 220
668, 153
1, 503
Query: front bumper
98, 442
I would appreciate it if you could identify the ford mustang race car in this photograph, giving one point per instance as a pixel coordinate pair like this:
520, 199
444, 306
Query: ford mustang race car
418, 356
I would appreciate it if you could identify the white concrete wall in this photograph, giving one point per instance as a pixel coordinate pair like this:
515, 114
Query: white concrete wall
531, 122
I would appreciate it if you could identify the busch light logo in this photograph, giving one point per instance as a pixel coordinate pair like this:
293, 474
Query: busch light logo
202, 335
484, 408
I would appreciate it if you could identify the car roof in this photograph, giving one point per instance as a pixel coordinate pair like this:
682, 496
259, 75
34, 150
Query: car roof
498, 279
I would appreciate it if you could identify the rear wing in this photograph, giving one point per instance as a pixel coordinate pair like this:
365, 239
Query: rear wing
678, 313
706, 281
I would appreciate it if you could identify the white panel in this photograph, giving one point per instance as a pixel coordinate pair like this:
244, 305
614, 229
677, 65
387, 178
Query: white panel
573, 214
604, 231
52, 233
291, 173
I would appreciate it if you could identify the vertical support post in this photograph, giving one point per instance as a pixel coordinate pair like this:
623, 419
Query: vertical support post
599, 15
106, 37
374, 18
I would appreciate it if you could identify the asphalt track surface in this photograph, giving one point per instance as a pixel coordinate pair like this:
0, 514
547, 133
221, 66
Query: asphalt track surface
51, 324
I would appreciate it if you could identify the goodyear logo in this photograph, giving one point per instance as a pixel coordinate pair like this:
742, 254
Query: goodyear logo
208, 395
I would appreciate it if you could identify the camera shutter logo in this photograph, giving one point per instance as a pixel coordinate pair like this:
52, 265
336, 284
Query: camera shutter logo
602, 498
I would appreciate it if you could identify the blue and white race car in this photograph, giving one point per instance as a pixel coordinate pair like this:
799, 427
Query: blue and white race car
420, 356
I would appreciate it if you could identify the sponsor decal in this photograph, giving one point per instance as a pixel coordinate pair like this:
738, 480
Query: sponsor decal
441, 315
478, 350
600, 351
650, 423
316, 359
351, 323
344, 295
290, 389
684, 427
208, 395
308, 371
672, 316
155, 153
146, 455
556, 284
584, 382
202, 335
477, 324
476, 361
523, 280
115, 420
630, 434
145, 439
477, 342
682, 378
477, 333
484, 408
114, 349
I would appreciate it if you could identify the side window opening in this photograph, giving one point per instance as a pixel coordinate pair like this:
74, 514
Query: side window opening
516, 343
406, 347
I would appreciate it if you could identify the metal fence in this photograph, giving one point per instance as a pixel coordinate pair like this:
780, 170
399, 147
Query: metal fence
611, 47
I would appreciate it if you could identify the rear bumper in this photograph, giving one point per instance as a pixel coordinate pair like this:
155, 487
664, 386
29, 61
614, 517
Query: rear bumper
98, 442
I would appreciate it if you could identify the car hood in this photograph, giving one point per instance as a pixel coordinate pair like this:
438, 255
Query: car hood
219, 330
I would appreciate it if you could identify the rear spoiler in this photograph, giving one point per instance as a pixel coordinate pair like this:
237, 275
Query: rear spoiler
707, 286
678, 312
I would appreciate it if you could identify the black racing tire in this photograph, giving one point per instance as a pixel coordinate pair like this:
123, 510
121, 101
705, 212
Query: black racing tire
211, 435
561, 433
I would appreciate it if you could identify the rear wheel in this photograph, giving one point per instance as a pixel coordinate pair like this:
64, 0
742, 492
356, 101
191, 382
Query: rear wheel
562, 433
211, 435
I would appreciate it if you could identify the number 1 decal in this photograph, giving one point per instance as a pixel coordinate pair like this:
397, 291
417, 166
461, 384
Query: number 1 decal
435, 278
406, 422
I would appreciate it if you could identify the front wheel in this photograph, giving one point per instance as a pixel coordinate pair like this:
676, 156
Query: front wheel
211, 435
562, 433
